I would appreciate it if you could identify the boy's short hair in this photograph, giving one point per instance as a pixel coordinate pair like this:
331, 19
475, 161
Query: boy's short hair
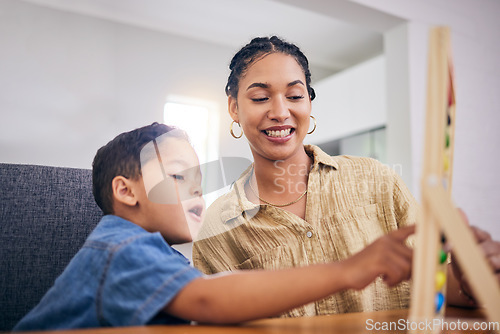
121, 157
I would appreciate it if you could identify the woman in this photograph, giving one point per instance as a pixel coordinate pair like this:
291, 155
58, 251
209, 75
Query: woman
297, 205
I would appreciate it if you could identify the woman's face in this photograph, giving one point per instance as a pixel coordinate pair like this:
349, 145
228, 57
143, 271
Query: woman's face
273, 106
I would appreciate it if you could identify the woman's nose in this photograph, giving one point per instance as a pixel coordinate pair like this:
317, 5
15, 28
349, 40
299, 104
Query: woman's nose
279, 110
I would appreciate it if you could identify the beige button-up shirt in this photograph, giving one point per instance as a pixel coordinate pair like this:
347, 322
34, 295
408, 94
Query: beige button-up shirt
351, 201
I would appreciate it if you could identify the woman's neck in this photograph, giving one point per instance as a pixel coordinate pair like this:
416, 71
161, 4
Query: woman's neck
286, 177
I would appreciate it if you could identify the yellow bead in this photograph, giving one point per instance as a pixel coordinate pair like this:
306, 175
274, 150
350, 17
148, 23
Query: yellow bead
440, 280
446, 162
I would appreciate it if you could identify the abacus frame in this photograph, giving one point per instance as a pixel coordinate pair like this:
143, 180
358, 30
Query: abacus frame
438, 215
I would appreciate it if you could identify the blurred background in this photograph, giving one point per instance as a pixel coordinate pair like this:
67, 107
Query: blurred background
74, 74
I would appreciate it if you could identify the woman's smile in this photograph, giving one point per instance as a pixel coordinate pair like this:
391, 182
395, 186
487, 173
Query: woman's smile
279, 134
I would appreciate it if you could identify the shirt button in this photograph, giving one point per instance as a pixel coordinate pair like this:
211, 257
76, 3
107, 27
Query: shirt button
309, 234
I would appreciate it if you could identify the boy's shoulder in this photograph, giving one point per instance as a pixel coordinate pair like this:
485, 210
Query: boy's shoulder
117, 234
117, 254
113, 229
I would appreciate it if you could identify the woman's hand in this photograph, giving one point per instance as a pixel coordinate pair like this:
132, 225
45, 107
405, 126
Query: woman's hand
388, 257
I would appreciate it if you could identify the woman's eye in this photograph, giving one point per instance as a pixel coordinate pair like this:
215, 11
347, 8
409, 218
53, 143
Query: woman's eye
296, 97
261, 99
177, 177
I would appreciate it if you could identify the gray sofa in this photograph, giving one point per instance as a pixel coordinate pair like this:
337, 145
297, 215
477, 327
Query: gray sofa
46, 213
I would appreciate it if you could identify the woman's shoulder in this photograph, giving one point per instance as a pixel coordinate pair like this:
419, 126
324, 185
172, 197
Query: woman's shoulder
352, 161
221, 204
342, 161
365, 166
215, 217
349, 160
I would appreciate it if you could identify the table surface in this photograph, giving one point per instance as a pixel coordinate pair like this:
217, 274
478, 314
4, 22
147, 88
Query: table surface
367, 322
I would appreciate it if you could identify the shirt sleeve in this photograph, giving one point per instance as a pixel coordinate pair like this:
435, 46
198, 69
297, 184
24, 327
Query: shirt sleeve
405, 205
142, 276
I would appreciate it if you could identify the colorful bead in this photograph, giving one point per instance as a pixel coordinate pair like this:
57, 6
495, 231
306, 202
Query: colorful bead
446, 162
439, 301
444, 182
440, 280
443, 256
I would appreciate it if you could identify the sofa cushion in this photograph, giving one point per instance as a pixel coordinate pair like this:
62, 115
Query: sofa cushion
46, 213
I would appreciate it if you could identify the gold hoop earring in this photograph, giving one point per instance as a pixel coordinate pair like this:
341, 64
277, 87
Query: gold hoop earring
231, 130
314, 119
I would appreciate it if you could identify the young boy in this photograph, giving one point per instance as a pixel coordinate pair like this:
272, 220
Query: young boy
148, 184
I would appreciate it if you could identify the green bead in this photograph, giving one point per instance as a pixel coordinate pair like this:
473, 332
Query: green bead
442, 256
447, 139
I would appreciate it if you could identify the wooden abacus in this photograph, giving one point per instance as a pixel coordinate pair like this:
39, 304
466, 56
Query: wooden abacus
439, 220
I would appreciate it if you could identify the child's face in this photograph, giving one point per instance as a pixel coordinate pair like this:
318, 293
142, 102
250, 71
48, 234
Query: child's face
174, 205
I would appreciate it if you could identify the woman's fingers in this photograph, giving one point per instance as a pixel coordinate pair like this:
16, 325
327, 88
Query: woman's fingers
398, 265
395, 258
402, 233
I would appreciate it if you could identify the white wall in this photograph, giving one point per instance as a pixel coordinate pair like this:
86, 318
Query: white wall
476, 50
399, 127
70, 83
350, 101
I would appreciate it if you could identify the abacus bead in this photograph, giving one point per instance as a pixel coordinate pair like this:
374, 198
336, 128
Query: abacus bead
443, 256
439, 301
440, 280
446, 163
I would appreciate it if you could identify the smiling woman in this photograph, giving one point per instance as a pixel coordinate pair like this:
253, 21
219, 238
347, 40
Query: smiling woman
295, 205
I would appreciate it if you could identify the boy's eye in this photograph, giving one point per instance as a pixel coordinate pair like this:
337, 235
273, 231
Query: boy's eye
296, 97
177, 177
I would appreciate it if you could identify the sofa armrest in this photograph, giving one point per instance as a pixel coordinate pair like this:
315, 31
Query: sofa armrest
46, 213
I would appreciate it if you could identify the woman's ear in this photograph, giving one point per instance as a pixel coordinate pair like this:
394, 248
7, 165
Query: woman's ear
123, 191
232, 107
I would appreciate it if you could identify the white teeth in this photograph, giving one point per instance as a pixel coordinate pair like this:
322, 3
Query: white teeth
282, 133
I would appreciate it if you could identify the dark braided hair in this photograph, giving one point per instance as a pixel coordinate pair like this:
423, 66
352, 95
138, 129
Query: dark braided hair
122, 157
257, 49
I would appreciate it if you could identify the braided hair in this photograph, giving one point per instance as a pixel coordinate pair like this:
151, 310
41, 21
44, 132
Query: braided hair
258, 48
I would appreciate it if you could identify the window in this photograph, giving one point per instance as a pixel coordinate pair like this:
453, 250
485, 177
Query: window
200, 119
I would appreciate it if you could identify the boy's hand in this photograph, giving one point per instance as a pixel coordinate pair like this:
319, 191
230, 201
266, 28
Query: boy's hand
490, 248
388, 256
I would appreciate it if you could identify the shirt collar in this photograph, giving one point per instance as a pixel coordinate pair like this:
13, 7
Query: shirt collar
320, 157
237, 203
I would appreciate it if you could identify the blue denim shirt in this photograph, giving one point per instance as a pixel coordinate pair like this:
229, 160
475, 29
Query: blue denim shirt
122, 276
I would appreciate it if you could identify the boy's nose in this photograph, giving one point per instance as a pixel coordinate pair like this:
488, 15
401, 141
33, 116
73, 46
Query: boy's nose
196, 189
279, 110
